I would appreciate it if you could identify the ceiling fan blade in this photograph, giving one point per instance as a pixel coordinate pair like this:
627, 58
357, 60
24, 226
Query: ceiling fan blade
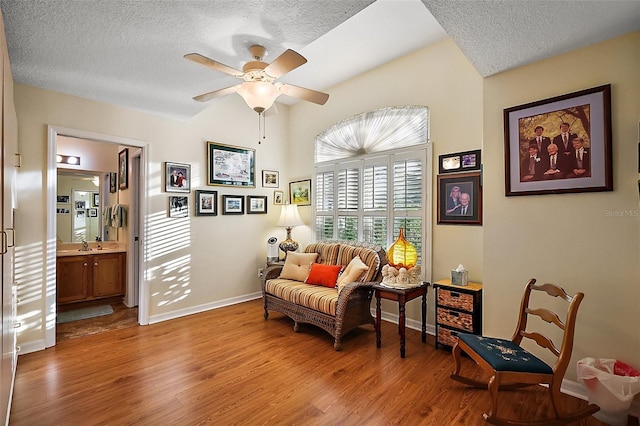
284, 63
217, 93
203, 60
302, 93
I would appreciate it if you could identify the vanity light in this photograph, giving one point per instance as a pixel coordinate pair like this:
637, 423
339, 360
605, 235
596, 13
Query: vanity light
68, 159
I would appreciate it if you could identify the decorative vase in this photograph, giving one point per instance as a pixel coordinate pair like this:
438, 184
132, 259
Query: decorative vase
402, 254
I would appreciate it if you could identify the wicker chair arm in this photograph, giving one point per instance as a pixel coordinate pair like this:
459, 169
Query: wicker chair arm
343, 297
269, 273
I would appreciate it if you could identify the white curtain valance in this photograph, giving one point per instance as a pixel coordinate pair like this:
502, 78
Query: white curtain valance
373, 131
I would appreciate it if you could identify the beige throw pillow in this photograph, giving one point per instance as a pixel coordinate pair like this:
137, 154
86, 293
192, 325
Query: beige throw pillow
352, 272
297, 266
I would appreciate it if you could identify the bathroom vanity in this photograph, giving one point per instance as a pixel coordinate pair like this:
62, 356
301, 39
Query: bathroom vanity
89, 275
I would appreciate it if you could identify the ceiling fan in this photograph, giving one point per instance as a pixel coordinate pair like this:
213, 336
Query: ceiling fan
259, 89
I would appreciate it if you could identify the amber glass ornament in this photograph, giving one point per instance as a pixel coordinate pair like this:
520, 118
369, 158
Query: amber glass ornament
402, 254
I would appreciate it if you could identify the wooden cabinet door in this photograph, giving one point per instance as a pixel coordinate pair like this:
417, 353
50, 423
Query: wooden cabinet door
72, 278
108, 274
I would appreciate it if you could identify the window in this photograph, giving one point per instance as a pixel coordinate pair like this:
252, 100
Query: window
373, 177
374, 196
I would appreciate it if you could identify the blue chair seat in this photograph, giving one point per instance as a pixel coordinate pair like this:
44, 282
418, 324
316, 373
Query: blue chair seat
504, 355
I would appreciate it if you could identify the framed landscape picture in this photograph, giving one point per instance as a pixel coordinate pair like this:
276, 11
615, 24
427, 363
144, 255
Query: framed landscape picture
270, 179
233, 204
256, 204
300, 192
230, 165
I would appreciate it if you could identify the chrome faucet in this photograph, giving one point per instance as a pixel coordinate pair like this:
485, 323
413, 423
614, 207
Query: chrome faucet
85, 246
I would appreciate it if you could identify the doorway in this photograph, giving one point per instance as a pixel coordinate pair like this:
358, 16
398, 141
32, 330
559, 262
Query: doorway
137, 185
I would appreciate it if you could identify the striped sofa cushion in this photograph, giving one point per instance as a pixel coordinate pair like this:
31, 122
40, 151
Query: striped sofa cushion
316, 297
369, 256
327, 253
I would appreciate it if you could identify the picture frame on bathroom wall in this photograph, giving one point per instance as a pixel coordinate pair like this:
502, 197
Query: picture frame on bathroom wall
123, 169
113, 182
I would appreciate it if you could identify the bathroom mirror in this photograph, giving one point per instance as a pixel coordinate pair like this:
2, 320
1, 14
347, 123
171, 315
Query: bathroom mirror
78, 206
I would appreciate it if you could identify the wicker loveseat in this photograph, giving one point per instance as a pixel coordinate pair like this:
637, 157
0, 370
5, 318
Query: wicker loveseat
336, 311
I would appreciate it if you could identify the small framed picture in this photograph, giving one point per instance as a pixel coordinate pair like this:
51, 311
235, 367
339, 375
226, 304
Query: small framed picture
93, 212
270, 179
113, 182
206, 203
62, 199
300, 192
123, 168
460, 199
465, 161
177, 177
256, 204
178, 206
96, 199
233, 204
278, 197
80, 205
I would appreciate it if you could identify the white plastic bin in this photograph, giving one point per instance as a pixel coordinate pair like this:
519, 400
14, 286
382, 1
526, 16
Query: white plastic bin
612, 393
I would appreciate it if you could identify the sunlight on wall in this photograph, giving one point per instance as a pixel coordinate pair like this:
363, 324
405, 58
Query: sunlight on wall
167, 238
28, 266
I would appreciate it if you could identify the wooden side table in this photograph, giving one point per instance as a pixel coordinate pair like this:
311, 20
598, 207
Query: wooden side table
402, 296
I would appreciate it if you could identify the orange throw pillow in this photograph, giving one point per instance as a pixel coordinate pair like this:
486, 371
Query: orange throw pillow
325, 275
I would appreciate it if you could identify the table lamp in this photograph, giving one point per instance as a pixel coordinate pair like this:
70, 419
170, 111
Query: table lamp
289, 217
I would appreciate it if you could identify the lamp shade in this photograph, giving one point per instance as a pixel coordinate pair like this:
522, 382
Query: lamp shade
259, 95
289, 216
402, 253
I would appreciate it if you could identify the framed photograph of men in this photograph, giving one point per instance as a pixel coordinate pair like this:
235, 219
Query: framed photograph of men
460, 198
559, 145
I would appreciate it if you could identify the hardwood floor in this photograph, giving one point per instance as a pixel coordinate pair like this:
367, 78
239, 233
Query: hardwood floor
122, 317
230, 366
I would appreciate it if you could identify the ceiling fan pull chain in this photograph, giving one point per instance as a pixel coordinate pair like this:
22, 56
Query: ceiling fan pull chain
260, 127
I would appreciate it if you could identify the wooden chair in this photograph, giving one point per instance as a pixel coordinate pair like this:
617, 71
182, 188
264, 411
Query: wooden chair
511, 366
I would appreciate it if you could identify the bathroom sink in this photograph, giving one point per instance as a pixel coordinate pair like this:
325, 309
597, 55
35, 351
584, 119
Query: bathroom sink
93, 251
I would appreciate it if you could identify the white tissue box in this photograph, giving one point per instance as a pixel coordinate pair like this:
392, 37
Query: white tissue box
459, 278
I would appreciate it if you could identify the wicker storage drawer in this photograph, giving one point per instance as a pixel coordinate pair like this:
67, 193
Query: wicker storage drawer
447, 337
455, 319
455, 299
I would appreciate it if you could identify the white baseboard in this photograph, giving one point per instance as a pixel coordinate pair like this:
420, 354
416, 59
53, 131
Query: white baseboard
203, 308
33, 346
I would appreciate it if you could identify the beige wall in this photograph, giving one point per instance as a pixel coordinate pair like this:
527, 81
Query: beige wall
571, 239
191, 263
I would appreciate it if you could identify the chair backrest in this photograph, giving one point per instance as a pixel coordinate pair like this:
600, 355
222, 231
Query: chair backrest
566, 322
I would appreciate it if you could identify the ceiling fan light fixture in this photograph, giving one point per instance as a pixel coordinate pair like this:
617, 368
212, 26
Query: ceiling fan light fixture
258, 95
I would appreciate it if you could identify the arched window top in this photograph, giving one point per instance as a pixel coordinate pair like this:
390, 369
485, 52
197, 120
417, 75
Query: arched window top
374, 131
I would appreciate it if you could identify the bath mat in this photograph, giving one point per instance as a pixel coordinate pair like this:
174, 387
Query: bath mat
84, 313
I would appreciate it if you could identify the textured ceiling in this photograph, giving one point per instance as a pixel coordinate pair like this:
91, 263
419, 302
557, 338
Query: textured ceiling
130, 53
